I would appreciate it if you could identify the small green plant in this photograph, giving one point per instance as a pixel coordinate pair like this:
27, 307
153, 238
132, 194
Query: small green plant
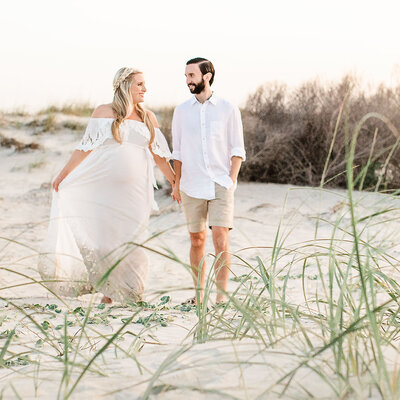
36, 164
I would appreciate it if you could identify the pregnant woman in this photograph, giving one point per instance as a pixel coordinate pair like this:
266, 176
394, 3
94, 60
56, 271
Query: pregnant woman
103, 197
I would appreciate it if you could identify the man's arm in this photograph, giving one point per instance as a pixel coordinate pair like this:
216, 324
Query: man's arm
236, 162
236, 143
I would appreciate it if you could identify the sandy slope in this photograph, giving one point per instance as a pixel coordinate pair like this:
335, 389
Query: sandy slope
260, 209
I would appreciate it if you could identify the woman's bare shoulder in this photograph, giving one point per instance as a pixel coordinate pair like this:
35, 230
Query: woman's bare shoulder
103, 111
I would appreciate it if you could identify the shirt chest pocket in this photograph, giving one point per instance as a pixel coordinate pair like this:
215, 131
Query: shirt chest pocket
217, 131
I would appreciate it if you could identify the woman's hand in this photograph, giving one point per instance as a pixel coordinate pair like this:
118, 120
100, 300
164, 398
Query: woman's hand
76, 158
57, 181
176, 195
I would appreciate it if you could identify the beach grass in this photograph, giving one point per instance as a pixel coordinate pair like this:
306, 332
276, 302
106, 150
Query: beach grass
80, 109
311, 319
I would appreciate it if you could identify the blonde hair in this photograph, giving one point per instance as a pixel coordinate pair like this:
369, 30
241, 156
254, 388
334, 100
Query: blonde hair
122, 103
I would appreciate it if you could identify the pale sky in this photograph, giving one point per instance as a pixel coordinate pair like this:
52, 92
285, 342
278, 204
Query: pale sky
57, 51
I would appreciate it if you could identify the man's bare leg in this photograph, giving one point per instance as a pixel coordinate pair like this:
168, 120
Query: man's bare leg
197, 251
222, 266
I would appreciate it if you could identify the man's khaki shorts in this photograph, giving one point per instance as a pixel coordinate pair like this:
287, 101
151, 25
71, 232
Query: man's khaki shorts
219, 210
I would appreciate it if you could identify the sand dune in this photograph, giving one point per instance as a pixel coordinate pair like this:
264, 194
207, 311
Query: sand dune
176, 354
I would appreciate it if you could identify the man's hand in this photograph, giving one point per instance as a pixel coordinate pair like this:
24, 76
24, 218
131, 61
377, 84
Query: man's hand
236, 162
176, 195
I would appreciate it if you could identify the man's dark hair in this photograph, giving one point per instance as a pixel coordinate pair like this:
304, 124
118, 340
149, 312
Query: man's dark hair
204, 65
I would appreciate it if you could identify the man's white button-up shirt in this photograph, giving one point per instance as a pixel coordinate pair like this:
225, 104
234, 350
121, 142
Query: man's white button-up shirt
205, 137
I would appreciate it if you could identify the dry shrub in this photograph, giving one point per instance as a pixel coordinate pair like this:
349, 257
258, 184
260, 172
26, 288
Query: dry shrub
79, 109
43, 125
18, 112
19, 146
288, 133
73, 125
164, 117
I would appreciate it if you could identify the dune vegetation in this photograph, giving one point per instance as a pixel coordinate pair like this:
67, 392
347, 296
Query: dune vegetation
313, 304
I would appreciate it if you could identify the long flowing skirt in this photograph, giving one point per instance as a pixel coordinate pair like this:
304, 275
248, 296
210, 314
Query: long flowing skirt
97, 225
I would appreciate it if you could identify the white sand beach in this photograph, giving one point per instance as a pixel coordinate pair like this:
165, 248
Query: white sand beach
268, 342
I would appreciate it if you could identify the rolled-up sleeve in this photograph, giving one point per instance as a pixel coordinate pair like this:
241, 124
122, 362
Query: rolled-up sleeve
176, 136
235, 134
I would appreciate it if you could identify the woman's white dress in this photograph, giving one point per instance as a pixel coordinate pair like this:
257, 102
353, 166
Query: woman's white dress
99, 215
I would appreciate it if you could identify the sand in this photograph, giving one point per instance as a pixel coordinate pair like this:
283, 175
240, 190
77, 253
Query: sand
216, 369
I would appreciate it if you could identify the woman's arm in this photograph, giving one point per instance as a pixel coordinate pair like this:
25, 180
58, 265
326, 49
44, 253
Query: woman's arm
176, 155
176, 195
102, 111
162, 162
76, 158
168, 172
165, 168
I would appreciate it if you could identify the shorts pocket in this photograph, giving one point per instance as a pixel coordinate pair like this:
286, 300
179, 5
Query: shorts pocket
234, 186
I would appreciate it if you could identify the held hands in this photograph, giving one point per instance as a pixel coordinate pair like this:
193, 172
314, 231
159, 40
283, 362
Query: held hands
176, 195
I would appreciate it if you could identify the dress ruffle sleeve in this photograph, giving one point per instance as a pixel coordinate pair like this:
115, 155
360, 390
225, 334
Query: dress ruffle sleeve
160, 145
97, 132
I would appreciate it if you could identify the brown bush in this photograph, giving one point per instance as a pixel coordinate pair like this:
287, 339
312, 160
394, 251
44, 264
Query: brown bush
84, 109
19, 146
74, 126
43, 125
289, 133
164, 116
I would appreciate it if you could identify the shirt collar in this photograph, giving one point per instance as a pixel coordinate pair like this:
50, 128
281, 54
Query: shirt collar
212, 99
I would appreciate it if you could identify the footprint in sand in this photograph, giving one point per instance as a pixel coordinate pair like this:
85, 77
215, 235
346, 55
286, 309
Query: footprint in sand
260, 206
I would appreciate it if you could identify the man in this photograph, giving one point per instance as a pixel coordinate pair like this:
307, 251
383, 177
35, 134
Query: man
208, 150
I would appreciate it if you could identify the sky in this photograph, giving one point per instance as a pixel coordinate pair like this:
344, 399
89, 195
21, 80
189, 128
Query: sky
59, 52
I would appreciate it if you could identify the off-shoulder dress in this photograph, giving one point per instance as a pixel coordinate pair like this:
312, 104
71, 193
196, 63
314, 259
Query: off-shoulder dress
99, 216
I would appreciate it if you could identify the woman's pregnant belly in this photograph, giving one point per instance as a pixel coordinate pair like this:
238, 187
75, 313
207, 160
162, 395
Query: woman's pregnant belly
110, 184
116, 164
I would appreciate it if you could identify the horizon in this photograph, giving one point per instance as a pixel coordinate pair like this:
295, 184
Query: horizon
367, 87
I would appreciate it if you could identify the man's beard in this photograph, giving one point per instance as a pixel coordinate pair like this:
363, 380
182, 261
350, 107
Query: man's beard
198, 87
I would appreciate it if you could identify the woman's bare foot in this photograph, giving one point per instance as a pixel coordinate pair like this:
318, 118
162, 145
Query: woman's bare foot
221, 299
106, 300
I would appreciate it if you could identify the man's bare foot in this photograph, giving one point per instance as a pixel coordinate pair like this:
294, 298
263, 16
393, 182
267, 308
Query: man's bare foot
106, 300
221, 299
